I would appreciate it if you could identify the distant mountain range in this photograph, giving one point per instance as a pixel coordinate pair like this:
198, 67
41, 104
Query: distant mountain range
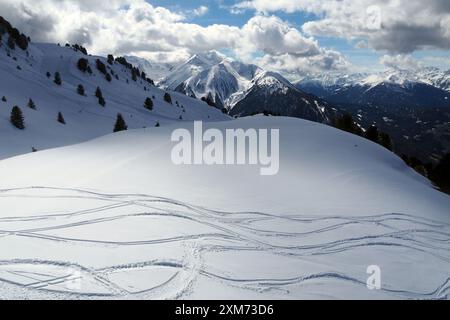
270, 93
210, 75
411, 106
393, 88
243, 89
155, 71
224, 81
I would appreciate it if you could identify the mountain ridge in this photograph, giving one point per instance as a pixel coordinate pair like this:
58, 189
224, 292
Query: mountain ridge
31, 75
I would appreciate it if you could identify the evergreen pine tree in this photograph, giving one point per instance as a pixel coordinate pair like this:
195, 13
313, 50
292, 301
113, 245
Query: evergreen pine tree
120, 124
157, 125
80, 90
133, 74
386, 141
100, 66
101, 101
17, 119
48, 74
61, 118
441, 173
110, 59
345, 123
4, 99
22, 41
148, 104
99, 95
83, 64
372, 134
58, 80
167, 98
31, 104
98, 92
11, 43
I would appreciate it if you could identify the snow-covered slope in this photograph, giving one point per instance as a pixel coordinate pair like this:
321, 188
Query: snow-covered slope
24, 76
211, 75
270, 93
114, 218
192, 67
154, 70
436, 77
331, 80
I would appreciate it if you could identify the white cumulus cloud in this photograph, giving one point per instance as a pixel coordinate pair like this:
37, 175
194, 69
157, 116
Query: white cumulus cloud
400, 61
396, 26
135, 27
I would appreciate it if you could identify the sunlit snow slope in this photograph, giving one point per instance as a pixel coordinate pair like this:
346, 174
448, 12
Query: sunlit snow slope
114, 218
24, 76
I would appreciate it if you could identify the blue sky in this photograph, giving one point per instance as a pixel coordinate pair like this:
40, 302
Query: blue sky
293, 37
219, 13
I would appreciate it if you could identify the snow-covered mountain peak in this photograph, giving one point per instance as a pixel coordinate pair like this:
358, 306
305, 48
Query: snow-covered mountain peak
208, 58
154, 70
392, 89
272, 94
271, 80
248, 71
402, 78
436, 77
211, 75
332, 79
397, 77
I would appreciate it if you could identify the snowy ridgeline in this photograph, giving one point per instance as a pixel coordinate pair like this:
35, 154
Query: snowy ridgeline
119, 220
394, 89
210, 75
31, 76
403, 78
241, 89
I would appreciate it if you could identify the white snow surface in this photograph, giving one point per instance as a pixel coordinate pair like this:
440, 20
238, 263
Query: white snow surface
113, 218
85, 118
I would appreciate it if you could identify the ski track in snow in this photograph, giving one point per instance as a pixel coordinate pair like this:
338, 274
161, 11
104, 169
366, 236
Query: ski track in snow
252, 232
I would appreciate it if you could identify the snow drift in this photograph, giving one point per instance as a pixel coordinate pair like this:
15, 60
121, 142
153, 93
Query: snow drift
116, 213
